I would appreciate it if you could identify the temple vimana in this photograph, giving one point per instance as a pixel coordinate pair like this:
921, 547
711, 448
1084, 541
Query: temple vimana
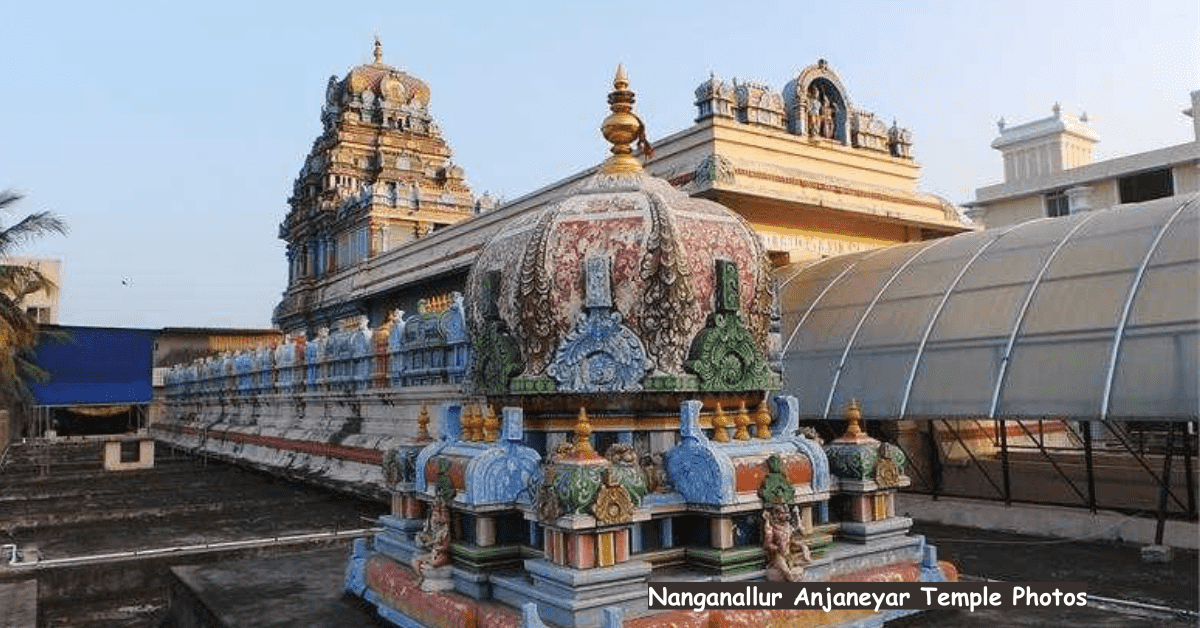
575, 393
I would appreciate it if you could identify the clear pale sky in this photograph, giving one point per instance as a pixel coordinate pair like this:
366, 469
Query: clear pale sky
168, 134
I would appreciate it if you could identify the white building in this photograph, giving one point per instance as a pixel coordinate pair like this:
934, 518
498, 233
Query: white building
1048, 171
43, 304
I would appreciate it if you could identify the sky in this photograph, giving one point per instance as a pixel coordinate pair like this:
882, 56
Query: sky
168, 134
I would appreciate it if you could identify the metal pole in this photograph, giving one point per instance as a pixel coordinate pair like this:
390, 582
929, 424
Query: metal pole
1004, 468
935, 462
1086, 427
1189, 440
1162, 493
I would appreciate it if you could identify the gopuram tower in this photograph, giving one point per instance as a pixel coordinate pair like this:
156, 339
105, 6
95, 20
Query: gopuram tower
379, 175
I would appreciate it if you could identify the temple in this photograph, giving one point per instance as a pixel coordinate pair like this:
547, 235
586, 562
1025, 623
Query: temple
379, 175
599, 408
601, 384
814, 174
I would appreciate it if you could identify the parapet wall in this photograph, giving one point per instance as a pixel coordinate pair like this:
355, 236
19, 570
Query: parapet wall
333, 438
325, 409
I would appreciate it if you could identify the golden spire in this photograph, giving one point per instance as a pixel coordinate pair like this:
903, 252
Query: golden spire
853, 415
378, 50
583, 437
622, 128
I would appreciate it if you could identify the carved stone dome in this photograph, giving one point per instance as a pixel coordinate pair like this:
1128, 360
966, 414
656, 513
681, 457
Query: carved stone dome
624, 285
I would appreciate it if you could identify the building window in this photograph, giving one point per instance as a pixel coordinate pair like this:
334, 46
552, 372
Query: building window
1057, 204
1146, 186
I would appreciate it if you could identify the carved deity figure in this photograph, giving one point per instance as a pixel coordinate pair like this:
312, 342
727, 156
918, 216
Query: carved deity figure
657, 479
828, 118
814, 112
786, 551
435, 537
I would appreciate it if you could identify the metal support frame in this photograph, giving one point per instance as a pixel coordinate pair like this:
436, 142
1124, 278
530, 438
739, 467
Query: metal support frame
935, 461
1042, 447
1189, 439
1086, 428
1004, 463
937, 312
824, 291
1142, 461
911, 464
971, 455
1160, 527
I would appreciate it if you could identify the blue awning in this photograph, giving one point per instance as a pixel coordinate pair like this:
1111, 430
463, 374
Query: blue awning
94, 365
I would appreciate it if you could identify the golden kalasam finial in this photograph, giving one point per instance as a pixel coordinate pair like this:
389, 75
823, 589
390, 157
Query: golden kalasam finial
762, 419
378, 50
583, 436
470, 423
742, 422
853, 415
720, 424
491, 424
622, 128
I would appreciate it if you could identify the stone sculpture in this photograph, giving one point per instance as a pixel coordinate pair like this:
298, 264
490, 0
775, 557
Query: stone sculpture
786, 551
433, 567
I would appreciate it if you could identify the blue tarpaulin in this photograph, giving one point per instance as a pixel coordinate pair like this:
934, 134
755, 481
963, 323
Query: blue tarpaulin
95, 365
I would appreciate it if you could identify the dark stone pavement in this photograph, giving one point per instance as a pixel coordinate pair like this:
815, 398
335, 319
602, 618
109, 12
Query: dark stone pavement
1110, 570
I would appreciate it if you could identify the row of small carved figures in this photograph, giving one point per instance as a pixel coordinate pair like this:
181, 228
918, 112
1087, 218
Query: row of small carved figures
323, 376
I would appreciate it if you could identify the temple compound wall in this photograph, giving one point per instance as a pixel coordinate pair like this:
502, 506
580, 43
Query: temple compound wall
325, 409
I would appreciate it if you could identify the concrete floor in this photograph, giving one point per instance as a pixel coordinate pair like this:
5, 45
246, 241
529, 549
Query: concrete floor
185, 502
252, 593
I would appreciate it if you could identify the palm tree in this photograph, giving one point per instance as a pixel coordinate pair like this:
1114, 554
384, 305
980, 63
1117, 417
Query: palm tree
18, 329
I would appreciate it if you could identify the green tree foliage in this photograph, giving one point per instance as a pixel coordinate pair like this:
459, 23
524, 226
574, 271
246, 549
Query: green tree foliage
19, 330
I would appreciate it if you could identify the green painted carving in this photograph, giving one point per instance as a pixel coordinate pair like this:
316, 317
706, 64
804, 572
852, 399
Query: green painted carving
578, 485
671, 383
724, 354
497, 359
857, 461
775, 489
532, 385
444, 487
727, 286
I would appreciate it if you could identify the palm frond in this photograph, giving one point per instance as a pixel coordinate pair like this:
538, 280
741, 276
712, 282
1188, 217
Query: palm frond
18, 330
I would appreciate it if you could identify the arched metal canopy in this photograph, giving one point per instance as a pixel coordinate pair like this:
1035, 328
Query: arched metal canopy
1089, 316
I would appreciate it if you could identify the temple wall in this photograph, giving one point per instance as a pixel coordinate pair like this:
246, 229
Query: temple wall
323, 437
324, 409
